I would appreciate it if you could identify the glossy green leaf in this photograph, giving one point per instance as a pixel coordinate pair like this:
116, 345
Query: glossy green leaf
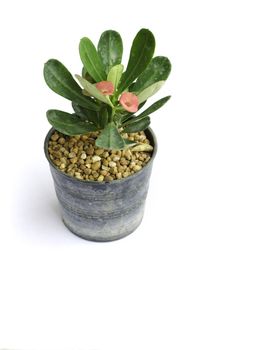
69, 124
110, 49
137, 125
150, 91
87, 76
141, 53
91, 60
93, 91
133, 119
158, 70
85, 114
59, 79
115, 74
110, 138
155, 106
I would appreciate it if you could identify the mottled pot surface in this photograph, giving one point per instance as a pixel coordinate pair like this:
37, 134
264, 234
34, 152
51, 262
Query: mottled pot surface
102, 211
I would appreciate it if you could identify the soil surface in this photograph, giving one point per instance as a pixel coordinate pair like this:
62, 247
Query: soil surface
79, 157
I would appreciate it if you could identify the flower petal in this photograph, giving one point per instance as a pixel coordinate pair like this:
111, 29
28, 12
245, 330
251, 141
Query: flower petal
129, 101
105, 87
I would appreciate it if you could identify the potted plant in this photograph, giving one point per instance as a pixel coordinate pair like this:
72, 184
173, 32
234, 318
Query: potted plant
101, 154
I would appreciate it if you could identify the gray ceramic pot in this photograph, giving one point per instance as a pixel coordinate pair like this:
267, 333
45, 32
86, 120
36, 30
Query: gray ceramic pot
102, 211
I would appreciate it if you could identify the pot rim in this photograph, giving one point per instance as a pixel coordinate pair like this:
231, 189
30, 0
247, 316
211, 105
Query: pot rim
46, 142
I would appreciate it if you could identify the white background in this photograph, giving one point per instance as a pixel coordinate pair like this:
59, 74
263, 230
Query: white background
195, 275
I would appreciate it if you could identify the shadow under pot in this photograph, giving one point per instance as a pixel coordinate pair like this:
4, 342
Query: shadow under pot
102, 211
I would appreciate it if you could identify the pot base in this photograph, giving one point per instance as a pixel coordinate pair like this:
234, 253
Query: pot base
100, 239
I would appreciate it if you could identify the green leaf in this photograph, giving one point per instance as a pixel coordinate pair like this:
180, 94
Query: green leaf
141, 53
150, 91
155, 106
137, 125
129, 143
158, 70
91, 60
103, 117
59, 79
142, 147
86, 76
110, 49
126, 116
133, 119
115, 74
69, 124
93, 91
85, 114
110, 138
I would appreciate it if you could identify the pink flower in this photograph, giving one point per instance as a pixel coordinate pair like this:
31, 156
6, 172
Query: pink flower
129, 101
105, 87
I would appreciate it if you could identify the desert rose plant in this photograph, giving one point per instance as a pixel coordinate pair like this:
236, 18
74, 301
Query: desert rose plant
109, 96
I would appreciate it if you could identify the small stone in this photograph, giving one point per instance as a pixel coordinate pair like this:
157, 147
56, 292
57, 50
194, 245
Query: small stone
83, 156
132, 164
123, 161
104, 167
57, 154
128, 154
125, 174
78, 175
61, 141
95, 174
62, 166
96, 159
147, 159
90, 151
120, 169
100, 178
137, 168
119, 176
74, 160
71, 166
112, 164
108, 178
55, 137
99, 151
96, 165
63, 160
116, 158
72, 155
